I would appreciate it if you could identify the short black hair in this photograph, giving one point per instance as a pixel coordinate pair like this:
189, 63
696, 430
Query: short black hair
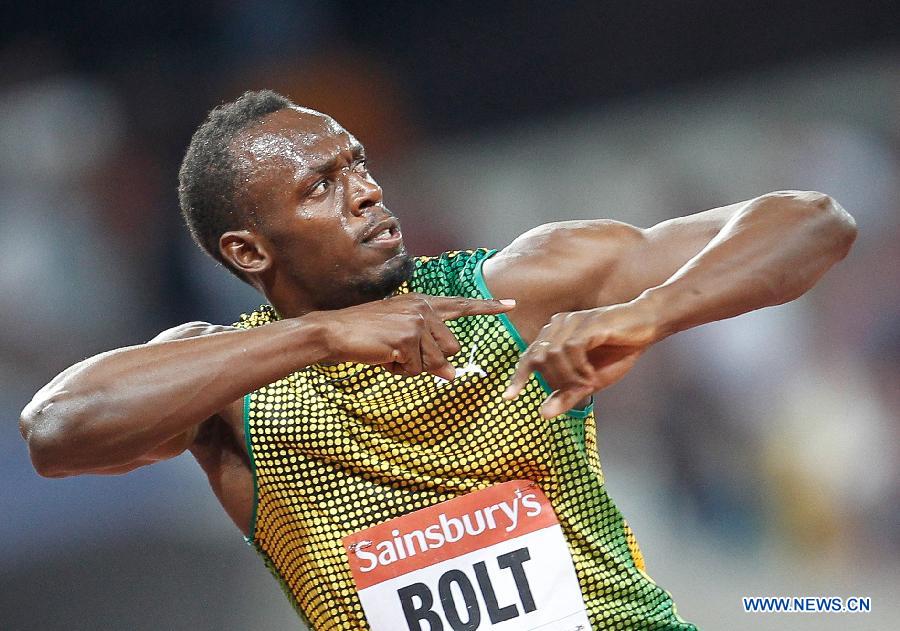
208, 177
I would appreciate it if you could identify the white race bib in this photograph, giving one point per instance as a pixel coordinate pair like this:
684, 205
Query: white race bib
492, 559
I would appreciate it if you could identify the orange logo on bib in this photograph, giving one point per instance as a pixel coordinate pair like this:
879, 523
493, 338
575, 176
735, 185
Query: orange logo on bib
495, 558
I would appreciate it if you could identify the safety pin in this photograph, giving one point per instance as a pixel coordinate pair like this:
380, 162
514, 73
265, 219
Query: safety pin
353, 547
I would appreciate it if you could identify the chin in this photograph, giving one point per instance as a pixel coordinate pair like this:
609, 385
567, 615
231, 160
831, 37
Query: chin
389, 276
396, 271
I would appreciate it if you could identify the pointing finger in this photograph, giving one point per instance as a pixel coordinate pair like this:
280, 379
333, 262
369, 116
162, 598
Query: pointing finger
519, 379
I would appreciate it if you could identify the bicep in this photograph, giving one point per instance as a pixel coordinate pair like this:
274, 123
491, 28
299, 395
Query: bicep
564, 265
171, 448
232, 416
554, 268
574, 265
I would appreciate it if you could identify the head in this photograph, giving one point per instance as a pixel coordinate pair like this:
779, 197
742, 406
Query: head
282, 196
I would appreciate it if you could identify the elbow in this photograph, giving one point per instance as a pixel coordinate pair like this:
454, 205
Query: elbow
46, 468
42, 448
45, 426
843, 227
837, 226
824, 217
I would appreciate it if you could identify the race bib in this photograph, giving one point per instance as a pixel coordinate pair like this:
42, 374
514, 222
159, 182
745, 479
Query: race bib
492, 559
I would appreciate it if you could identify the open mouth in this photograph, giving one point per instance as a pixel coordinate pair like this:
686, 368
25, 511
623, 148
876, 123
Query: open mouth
385, 234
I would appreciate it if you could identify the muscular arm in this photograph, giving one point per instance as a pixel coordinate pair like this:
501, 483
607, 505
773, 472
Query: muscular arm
136, 405
619, 289
768, 251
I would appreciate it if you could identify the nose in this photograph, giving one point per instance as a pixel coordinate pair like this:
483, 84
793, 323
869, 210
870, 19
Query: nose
364, 193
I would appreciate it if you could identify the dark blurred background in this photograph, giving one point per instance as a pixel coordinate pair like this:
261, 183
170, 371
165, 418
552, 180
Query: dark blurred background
752, 457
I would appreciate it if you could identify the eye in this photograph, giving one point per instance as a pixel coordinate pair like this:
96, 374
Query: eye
361, 167
319, 188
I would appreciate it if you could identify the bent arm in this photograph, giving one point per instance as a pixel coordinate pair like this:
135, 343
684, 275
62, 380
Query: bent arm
136, 405
627, 288
707, 266
133, 406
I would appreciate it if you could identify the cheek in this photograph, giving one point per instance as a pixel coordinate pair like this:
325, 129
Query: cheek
317, 242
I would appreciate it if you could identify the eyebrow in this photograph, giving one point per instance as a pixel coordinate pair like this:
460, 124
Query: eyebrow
356, 151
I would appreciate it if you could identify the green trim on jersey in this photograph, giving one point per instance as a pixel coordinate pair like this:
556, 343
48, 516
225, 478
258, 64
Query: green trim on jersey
510, 327
247, 442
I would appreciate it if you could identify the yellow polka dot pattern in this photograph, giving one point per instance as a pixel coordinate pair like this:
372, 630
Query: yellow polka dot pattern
337, 449
634, 548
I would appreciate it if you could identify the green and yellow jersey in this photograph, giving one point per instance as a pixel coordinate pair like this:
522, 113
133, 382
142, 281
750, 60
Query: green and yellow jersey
340, 448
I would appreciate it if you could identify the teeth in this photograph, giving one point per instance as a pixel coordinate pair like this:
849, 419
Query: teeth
384, 235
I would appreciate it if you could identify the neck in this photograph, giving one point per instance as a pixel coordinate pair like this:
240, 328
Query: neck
292, 297
298, 303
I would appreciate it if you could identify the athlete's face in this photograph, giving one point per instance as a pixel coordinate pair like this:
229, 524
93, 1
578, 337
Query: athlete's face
320, 210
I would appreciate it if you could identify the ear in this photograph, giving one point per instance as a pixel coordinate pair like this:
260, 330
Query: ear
246, 252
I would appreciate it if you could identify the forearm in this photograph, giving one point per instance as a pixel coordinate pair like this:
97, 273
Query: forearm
111, 409
771, 251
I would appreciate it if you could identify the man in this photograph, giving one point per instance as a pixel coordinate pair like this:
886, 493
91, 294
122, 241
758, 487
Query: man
374, 385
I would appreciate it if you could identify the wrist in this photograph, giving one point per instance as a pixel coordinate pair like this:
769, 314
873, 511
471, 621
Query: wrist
658, 312
312, 337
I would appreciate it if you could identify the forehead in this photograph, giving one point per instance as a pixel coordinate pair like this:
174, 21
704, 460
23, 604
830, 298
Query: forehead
296, 137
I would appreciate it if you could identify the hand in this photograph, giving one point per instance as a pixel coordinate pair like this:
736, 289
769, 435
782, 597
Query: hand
581, 352
406, 334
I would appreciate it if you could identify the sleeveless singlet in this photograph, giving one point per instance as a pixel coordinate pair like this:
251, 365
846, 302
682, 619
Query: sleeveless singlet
340, 448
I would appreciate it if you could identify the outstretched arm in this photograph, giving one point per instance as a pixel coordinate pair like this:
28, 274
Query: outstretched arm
610, 290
